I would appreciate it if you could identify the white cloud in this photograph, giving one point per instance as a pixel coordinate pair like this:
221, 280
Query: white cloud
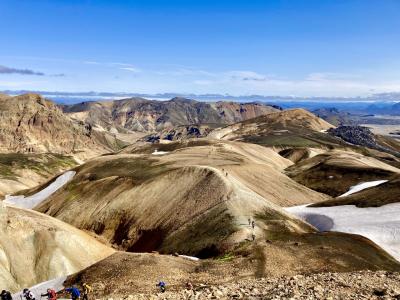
203, 82
185, 72
131, 69
120, 64
325, 76
313, 84
92, 63
246, 76
19, 84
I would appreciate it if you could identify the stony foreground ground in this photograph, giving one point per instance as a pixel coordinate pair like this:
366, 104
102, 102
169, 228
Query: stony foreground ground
357, 285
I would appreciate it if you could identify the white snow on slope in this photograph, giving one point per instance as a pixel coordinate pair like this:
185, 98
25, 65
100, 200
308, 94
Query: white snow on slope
31, 201
379, 224
159, 152
41, 288
189, 257
362, 186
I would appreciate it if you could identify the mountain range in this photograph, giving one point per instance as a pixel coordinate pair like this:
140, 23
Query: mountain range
138, 114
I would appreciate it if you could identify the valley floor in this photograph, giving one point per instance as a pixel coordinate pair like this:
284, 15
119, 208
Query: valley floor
355, 285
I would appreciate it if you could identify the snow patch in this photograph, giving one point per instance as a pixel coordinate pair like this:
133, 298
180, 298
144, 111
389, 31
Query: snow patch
189, 257
79, 161
41, 288
379, 224
98, 127
362, 186
156, 152
32, 201
113, 130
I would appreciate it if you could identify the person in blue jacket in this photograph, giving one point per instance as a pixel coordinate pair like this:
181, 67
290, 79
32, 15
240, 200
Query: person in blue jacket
75, 293
162, 285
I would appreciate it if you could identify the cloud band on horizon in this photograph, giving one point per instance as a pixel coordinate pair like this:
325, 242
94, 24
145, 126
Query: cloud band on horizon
7, 70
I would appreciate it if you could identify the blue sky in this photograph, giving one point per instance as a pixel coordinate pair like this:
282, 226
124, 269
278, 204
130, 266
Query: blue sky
301, 48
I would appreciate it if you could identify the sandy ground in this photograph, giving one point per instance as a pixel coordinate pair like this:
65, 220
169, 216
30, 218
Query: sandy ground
384, 129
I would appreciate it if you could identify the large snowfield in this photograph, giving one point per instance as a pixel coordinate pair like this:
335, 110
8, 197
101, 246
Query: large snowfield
379, 224
32, 201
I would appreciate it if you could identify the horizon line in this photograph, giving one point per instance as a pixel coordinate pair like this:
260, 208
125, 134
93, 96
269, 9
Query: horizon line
387, 96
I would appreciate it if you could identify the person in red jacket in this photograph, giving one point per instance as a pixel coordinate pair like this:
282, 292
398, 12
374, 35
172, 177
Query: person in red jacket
51, 294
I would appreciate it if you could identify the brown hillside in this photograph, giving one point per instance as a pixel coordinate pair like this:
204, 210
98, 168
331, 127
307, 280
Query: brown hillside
144, 202
32, 124
286, 129
385, 193
334, 172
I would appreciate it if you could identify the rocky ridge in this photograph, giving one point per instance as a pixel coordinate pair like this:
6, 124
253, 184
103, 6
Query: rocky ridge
361, 136
355, 285
32, 124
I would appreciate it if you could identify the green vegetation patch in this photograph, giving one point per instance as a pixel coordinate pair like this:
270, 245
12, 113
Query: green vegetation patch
204, 236
169, 147
226, 257
139, 169
43, 164
286, 140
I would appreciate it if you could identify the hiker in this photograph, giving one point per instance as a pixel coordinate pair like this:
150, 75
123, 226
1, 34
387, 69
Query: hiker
249, 221
75, 293
5, 295
51, 294
162, 286
253, 236
189, 286
253, 224
86, 290
28, 294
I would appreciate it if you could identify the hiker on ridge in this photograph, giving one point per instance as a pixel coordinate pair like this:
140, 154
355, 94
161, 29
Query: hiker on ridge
28, 294
86, 290
189, 286
5, 295
162, 286
75, 293
51, 294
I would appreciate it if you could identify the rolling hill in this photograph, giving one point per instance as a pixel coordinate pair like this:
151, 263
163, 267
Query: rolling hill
289, 128
144, 202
